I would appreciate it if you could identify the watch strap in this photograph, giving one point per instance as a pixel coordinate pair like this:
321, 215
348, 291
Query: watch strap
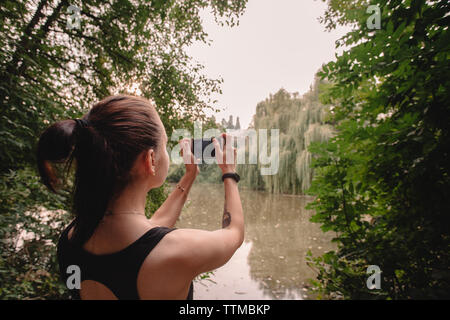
233, 175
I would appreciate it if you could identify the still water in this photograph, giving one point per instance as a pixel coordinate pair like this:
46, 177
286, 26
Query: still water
271, 262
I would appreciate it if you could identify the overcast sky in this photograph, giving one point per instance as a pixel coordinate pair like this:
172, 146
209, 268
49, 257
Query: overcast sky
278, 44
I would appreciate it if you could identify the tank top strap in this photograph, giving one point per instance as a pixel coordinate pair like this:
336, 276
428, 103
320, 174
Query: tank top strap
142, 247
130, 262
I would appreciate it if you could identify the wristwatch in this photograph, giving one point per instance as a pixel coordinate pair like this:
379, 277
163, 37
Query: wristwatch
233, 175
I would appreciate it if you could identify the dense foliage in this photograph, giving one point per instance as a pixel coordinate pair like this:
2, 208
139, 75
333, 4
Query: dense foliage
51, 69
383, 181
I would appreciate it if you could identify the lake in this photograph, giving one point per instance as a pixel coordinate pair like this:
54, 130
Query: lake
271, 263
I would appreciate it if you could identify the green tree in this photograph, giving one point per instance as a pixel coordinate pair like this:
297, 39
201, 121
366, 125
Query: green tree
382, 182
51, 69
300, 120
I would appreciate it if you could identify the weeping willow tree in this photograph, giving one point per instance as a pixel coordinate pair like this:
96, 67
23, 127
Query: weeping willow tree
300, 120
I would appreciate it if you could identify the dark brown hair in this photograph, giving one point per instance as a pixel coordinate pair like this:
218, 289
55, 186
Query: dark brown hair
118, 129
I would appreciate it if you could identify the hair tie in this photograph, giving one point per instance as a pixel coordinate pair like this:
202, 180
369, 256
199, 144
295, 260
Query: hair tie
82, 123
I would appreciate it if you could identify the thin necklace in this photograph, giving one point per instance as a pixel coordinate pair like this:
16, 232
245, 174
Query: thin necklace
127, 212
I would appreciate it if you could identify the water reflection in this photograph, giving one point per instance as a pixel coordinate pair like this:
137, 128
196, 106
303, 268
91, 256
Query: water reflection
271, 262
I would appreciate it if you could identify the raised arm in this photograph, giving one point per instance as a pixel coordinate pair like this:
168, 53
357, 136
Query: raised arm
207, 250
167, 215
198, 251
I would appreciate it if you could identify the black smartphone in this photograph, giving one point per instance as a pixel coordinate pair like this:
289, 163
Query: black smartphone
199, 152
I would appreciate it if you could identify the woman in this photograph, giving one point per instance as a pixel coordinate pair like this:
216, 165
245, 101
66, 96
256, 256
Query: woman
120, 152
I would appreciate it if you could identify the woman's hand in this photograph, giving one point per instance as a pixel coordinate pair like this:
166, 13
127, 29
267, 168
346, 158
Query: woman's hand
188, 157
221, 155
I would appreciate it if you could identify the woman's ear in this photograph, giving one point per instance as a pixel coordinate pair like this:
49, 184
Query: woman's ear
150, 162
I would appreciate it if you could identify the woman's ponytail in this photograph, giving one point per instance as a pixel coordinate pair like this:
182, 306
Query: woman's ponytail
94, 180
55, 146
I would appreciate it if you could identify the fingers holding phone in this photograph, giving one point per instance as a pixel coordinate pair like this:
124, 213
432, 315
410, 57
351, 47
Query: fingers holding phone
226, 156
188, 157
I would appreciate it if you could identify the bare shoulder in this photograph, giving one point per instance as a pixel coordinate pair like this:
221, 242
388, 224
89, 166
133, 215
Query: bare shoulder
182, 255
177, 246
181, 243
201, 250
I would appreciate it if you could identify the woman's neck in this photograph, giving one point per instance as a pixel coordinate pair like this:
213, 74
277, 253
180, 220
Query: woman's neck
131, 201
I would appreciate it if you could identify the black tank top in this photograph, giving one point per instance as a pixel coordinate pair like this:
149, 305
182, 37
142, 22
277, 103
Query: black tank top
118, 271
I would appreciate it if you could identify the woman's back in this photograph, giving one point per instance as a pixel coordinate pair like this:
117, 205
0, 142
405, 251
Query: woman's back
126, 258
